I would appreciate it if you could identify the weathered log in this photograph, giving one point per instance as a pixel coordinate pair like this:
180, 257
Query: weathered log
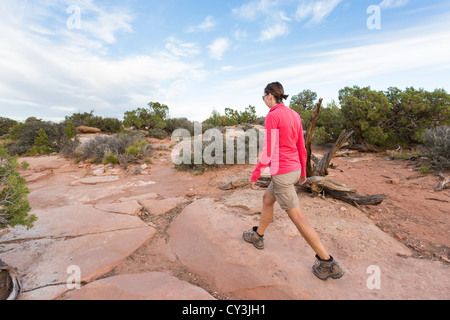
442, 183
340, 191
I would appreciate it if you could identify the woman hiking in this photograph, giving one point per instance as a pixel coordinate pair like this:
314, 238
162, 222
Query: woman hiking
284, 152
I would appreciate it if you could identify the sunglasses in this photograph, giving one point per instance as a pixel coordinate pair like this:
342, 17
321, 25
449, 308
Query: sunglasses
264, 96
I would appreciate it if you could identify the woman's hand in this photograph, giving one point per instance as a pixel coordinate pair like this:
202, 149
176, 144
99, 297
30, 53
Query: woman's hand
253, 185
302, 181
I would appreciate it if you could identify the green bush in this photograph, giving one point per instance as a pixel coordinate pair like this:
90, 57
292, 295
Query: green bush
152, 118
123, 148
413, 111
26, 134
6, 125
109, 125
232, 117
207, 148
328, 126
14, 205
366, 112
179, 123
437, 147
157, 134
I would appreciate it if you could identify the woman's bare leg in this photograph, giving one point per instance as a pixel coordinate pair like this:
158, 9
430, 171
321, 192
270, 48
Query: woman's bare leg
266, 213
308, 232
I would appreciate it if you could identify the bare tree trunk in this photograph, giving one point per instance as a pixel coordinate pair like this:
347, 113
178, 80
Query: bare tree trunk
317, 183
321, 168
309, 135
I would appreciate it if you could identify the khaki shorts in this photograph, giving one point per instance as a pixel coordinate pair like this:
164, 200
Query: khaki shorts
282, 187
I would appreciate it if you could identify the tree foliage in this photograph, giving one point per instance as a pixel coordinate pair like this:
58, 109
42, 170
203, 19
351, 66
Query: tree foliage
381, 118
14, 205
232, 117
394, 116
152, 117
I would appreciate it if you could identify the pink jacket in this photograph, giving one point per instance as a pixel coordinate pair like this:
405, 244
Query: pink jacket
284, 145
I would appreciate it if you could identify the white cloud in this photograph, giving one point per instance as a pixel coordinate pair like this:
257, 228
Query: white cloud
316, 10
386, 59
183, 49
96, 22
218, 48
240, 35
208, 24
50, 75
252, 10
274, 31
385, 4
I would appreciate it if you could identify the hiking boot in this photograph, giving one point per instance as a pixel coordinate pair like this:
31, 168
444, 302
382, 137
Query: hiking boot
323, 269
252, 237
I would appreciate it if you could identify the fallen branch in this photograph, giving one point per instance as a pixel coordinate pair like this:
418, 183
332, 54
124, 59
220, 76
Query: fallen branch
434, 199
341, 192
442, 183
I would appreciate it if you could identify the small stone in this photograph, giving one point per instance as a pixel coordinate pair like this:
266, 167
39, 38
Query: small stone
394, 181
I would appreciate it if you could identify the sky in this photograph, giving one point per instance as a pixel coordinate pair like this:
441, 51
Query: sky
59, 57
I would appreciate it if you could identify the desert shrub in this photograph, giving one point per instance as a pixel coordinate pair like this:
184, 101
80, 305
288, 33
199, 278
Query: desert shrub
414, 111
437, 147
179, 123
328, 126
367, 112
6, 125
26, 134
157, 134
152, 117
393, 117
109, 125
14, 205
244, 151
126, 147
232, 117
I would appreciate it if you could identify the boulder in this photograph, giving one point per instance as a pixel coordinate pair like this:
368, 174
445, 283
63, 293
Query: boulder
84, 129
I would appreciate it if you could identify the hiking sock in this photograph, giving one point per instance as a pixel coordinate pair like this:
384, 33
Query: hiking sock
256, 231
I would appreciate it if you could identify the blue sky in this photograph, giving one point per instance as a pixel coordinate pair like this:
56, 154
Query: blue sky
58, 57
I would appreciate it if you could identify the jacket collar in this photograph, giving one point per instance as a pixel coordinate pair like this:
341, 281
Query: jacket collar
281, 105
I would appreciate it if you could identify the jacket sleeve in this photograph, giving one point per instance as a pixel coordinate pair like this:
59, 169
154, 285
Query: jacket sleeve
270, 134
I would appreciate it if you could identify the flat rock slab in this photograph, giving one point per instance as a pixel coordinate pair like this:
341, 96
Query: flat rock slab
71, 221
131, 207
145, 286
45, 263
80, 235
96, 180
207, 239
160, 207
250, 201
